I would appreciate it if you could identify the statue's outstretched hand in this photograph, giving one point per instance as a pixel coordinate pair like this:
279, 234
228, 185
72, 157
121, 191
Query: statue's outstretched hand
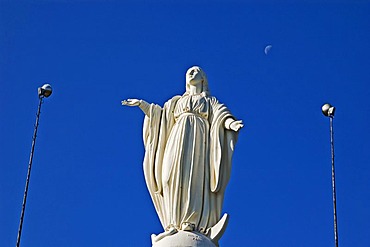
236, 125
131, 102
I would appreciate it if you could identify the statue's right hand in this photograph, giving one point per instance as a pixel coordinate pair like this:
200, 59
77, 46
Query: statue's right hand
131, 102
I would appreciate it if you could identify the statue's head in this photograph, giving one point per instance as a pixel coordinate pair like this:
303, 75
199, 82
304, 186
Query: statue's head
194, 76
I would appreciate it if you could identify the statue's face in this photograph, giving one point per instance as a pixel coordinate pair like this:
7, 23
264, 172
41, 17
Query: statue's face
194, 76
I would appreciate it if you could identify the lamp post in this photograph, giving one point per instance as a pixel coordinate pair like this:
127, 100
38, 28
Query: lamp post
329, 110
43, 92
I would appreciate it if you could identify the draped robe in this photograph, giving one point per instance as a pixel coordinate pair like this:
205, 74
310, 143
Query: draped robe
187, 161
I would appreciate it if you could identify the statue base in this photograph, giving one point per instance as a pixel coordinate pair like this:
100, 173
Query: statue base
180, 238
185, 239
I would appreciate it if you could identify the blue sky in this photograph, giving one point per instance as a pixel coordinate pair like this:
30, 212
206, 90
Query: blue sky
87, 187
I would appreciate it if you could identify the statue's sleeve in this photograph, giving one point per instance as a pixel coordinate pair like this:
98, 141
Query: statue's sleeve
222, 143
157, 126
151, 130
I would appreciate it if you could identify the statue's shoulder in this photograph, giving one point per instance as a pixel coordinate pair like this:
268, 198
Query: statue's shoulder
170, 104
212, 99
173, 100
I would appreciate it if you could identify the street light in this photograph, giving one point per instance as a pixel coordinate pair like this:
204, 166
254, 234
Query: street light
329, 110
43, 92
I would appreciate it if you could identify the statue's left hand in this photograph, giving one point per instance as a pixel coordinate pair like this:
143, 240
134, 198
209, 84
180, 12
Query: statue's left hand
236, 125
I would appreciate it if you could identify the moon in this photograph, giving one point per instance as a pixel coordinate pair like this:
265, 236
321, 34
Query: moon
267, 49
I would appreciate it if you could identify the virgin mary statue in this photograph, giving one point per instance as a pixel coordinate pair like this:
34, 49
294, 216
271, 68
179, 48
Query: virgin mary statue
189, 143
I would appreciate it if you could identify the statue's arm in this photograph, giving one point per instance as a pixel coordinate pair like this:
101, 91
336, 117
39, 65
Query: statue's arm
232, 124
142, 104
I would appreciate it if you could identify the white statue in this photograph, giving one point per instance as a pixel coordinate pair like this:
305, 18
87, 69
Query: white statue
188, 149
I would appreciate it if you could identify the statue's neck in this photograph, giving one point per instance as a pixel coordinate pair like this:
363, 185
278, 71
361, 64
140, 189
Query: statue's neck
195, 89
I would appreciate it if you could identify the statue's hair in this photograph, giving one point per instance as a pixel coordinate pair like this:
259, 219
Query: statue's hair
205, 88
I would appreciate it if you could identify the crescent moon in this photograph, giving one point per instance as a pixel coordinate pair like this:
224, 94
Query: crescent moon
267, 49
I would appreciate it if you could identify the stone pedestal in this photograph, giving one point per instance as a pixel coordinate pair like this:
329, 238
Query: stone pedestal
185, 239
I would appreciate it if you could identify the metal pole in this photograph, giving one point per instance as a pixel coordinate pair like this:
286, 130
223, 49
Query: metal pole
333, 181
329, 110
29, 173
44, 91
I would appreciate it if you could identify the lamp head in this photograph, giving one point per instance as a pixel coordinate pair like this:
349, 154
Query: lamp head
328, 110
45, 91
